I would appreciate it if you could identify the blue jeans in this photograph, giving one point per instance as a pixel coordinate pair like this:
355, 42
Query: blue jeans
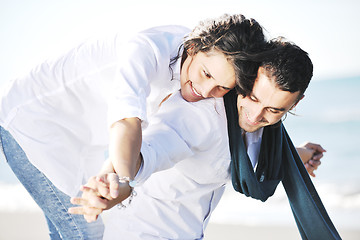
51, 200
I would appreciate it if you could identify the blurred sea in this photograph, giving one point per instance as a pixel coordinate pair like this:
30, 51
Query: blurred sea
329, 115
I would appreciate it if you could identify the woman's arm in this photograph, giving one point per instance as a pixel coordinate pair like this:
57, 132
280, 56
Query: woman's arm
178, 128
124, 159
124, 147
124, 156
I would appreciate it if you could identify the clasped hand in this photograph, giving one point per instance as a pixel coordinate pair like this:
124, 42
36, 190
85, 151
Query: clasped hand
310, 154
102, 192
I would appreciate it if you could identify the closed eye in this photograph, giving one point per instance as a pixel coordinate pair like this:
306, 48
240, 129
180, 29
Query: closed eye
276, 110
225, 88
208, 75
253, 98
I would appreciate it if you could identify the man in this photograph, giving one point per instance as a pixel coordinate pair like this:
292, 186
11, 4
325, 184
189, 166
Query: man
281, 82
179, 196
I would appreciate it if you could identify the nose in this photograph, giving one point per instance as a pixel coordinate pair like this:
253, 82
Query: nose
256, 114
208, 90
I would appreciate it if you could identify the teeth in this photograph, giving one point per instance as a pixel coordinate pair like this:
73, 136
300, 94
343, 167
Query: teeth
196, 92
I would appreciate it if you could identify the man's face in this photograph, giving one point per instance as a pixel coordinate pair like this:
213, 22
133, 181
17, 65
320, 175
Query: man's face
265, 105
206, 75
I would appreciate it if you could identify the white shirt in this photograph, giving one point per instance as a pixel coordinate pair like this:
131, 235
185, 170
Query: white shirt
60, 112
186, 164
253, 143
187, 161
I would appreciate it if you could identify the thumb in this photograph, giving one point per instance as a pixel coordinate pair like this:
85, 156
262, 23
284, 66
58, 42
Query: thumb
113, 181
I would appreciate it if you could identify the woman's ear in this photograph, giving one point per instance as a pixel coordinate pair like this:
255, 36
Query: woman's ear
190, 50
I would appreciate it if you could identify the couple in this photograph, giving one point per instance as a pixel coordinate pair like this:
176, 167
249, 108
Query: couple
57, 132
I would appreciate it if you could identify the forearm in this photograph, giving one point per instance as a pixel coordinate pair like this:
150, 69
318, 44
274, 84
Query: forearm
124, 147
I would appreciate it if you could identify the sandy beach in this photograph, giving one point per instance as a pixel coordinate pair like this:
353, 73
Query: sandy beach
32, 225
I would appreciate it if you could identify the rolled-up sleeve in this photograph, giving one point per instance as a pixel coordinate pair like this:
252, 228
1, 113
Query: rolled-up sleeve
143, 71
137, 64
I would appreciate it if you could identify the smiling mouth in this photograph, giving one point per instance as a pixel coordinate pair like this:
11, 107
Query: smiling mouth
196, 93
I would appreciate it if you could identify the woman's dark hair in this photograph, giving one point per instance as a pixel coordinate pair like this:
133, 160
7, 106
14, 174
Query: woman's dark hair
236, 37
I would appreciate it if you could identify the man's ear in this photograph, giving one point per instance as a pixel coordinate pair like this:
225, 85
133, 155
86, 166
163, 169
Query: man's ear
297, 102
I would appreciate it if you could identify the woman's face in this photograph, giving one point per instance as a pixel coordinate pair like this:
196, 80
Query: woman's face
206, 75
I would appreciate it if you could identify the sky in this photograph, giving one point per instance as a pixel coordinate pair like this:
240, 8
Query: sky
32, 31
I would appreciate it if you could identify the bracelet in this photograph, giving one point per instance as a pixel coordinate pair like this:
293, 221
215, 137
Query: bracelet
132, 184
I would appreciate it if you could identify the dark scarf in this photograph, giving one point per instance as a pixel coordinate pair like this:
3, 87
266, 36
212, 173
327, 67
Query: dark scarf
278, 161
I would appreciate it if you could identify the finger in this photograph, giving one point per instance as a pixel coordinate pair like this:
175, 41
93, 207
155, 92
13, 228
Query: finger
113, 185
320, 149
103, 187
309, 169
317, 147
317, 156
101, 190
90, 199
97, 202
104, 192
315, 164
84, 210
90, 218
89, 191
102, 180
77, 210
78, 201
92, 211
91, 182
311, 145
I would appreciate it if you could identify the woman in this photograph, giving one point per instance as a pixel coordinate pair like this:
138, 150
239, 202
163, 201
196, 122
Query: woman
54, 129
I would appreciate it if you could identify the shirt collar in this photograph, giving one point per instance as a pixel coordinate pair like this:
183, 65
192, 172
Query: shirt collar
253, 137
